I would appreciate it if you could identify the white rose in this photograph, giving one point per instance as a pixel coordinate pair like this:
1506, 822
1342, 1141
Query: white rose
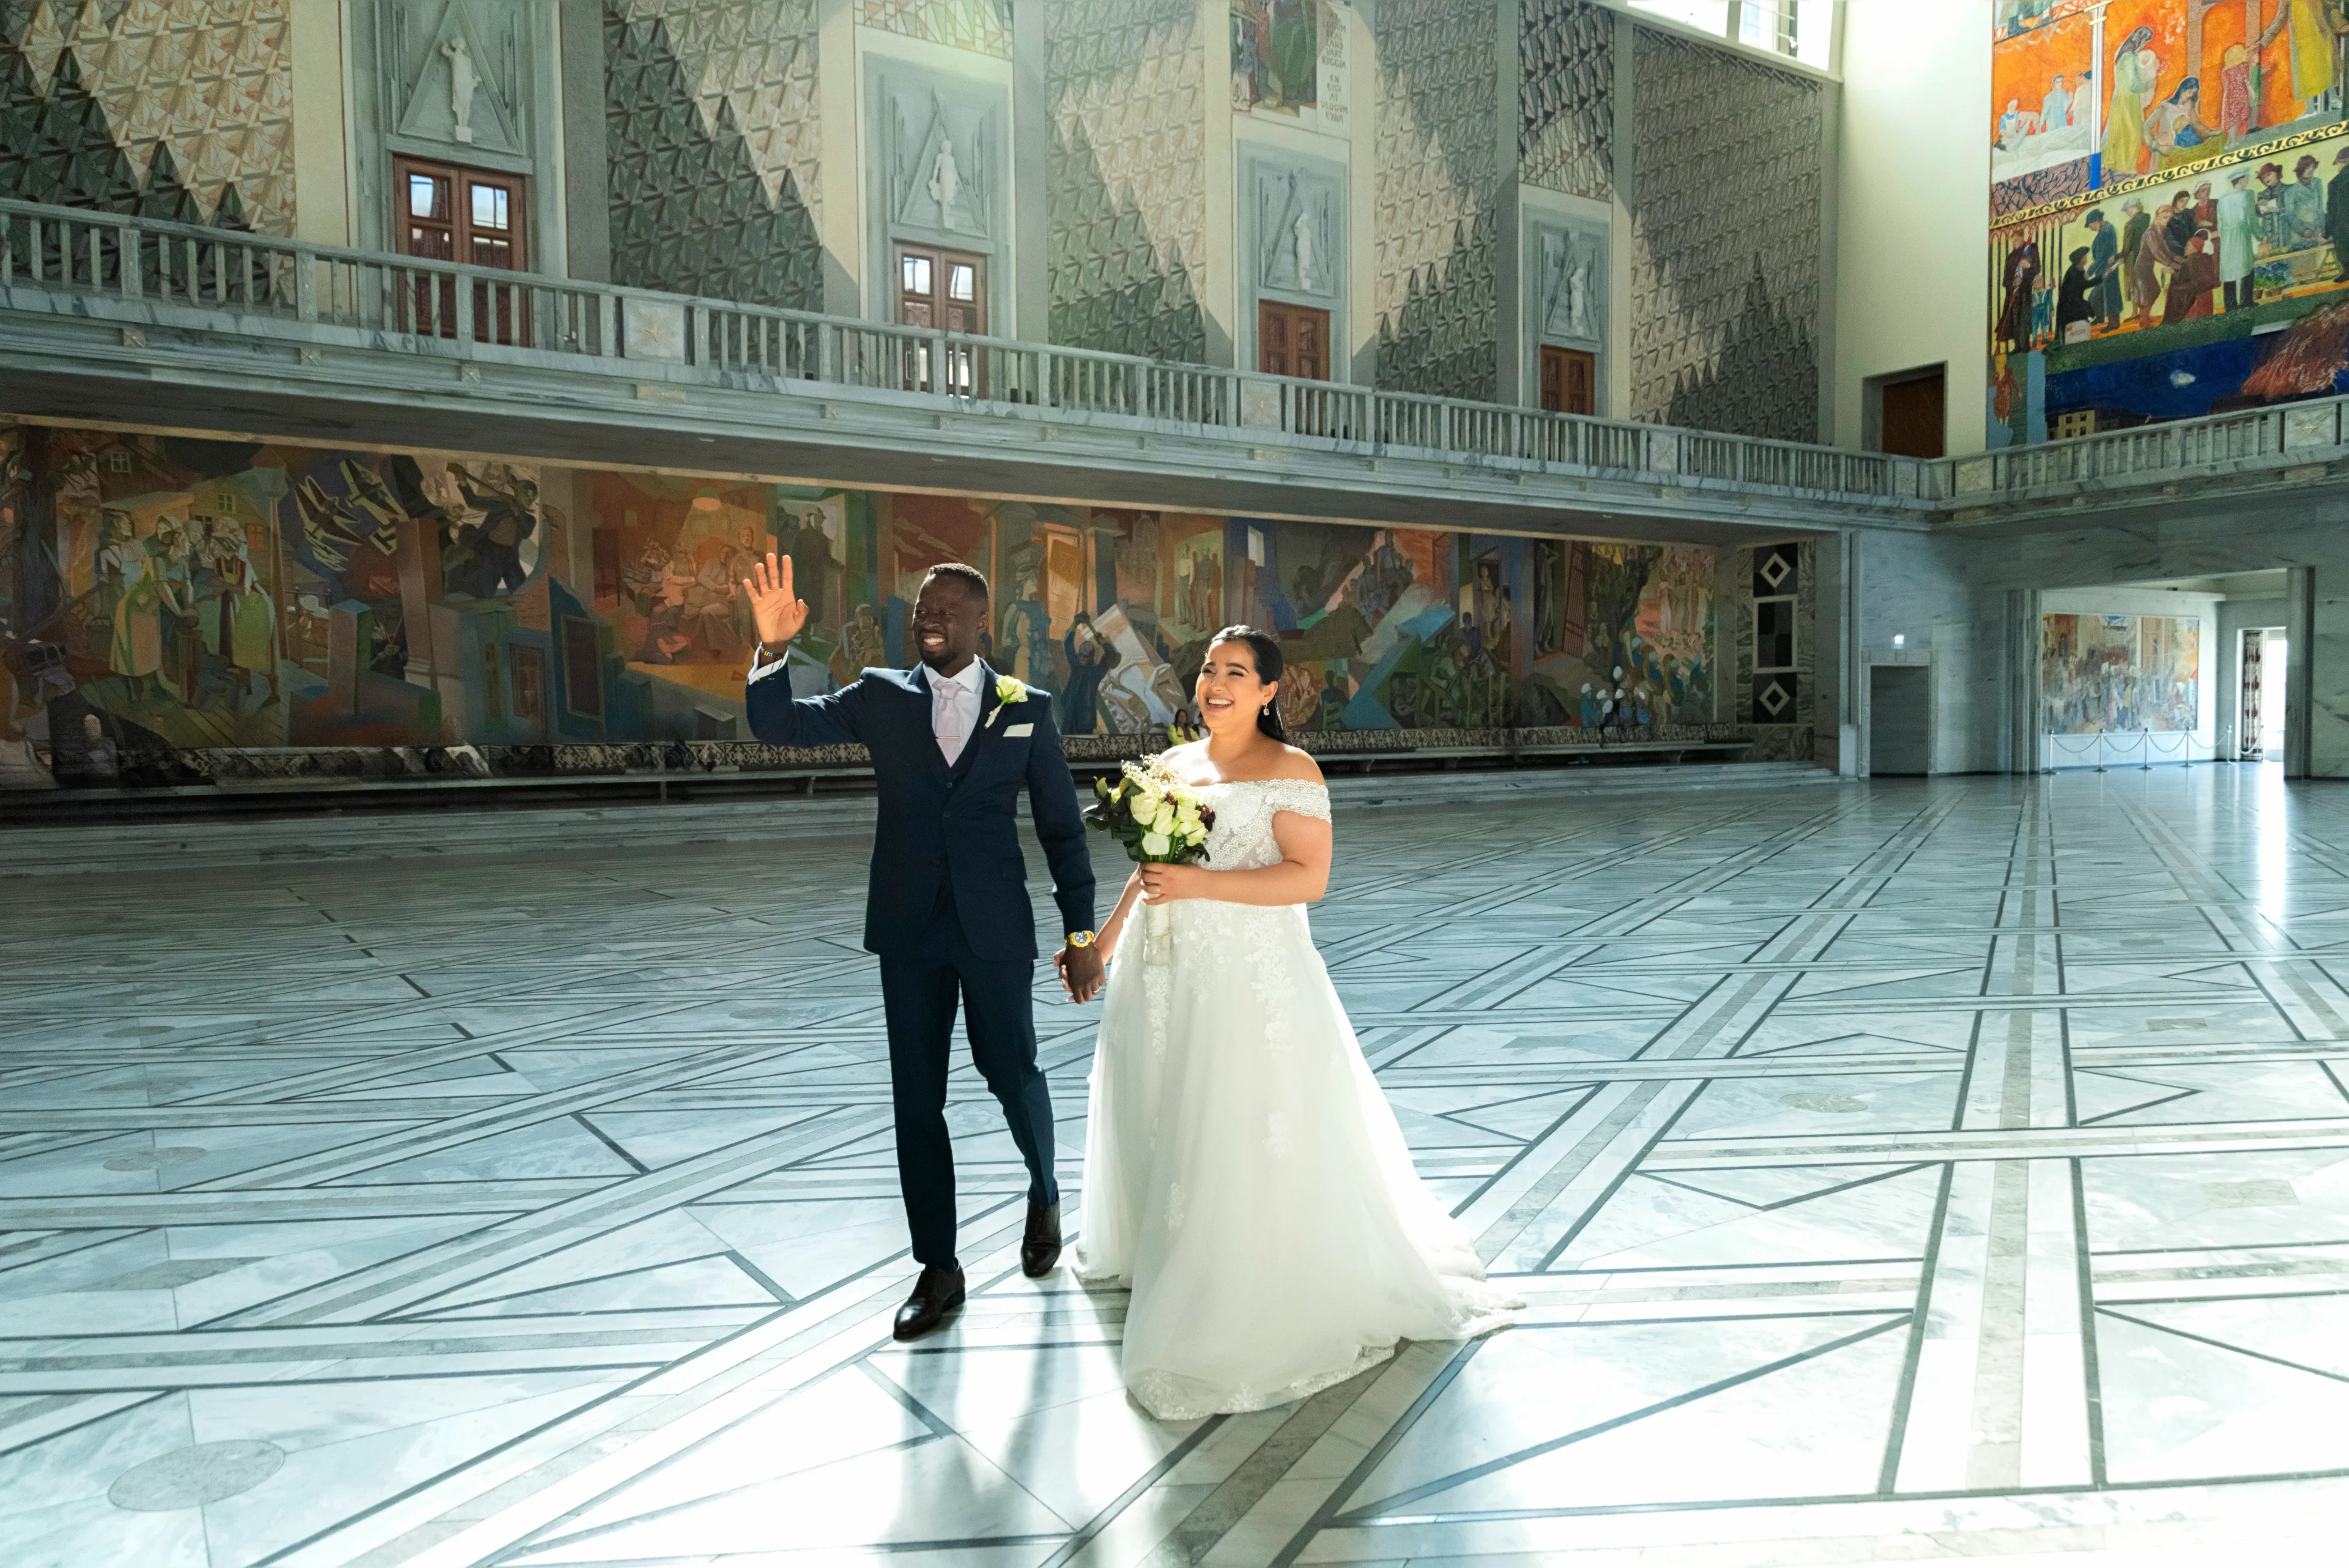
1156, 844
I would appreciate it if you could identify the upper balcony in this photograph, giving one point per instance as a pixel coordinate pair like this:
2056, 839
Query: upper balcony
123, 319
112, 318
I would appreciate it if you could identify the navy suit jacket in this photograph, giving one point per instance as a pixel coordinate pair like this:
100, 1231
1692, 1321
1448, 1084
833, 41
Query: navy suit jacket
943, 827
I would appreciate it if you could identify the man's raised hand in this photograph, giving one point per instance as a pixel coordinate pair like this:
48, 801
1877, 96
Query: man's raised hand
779, 615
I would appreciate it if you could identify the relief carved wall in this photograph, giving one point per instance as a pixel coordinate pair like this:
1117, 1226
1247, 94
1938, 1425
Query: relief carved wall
1438, 167
1566, 97
181, 108
712, 137
1725, 272
1125, 197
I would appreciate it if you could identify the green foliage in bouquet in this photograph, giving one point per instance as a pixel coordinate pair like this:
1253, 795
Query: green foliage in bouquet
1155, 816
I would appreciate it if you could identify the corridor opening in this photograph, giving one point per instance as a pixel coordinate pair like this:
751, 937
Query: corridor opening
2145, 674
2262, 655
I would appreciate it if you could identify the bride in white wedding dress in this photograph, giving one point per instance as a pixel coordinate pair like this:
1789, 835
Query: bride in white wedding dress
1244, 1173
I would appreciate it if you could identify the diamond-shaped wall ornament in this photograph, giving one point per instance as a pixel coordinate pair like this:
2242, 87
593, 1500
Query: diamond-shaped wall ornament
1775, 570
207, 80
1725, 273
1438, 170
1125, 206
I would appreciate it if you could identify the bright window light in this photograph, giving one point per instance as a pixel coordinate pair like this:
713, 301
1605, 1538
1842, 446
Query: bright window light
1814, 31
1704, 15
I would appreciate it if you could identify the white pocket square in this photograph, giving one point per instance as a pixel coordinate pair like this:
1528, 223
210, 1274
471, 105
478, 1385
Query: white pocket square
1018, 730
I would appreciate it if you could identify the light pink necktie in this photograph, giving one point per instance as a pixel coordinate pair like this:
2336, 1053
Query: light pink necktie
946, 721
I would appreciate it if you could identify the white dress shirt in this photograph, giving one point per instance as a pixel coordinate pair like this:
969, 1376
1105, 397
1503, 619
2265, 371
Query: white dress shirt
954, 702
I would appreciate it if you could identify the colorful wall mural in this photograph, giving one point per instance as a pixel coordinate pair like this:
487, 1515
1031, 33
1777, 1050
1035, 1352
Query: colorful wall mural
2170, 207
161, 596
1276, 54
2107, 674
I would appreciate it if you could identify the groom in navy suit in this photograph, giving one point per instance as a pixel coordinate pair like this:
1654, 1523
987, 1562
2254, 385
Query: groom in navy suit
952, 744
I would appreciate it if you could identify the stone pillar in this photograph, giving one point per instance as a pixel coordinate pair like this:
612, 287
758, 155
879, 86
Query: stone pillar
2299, 688
2020, 749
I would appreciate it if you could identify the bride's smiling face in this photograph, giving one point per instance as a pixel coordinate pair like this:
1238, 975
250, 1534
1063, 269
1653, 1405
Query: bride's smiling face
1230, 693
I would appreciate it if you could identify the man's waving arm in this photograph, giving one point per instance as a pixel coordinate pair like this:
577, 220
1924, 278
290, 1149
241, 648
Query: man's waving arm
776, 717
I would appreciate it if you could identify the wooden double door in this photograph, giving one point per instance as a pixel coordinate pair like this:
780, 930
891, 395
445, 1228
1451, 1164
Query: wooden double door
943, 288
1292, 340
1570, 380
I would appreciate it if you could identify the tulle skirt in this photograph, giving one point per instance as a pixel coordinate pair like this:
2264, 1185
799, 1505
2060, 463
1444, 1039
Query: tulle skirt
1245, 1178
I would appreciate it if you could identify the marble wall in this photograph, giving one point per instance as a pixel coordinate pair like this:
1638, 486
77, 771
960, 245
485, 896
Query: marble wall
1955, 600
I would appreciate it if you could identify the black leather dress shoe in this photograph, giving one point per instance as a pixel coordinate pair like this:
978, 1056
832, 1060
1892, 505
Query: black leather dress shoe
938, 1296
1041, 1248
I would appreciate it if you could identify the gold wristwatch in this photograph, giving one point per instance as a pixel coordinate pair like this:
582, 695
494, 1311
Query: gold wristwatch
1081, 939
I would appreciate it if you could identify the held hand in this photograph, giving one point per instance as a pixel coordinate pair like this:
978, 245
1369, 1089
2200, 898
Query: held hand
1165, 884
1080, 972
778, 615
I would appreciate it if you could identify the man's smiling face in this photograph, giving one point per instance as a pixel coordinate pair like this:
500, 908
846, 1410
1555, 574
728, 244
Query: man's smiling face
948, 616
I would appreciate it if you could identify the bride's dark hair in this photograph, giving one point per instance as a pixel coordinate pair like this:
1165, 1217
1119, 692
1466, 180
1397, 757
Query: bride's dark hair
1264, 650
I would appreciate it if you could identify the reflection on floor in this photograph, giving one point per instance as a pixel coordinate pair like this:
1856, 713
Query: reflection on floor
1896, 1170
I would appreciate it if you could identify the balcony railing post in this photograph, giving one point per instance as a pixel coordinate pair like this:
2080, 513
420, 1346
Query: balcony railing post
464, 315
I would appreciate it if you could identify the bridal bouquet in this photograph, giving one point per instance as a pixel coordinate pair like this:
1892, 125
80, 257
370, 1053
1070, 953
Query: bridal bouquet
1155, 815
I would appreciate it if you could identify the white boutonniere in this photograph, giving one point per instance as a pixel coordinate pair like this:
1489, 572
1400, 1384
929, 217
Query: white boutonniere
1007, 691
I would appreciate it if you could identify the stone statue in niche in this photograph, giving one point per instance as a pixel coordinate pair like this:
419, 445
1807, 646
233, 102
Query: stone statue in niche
1572, 271
945, 183
1294, 216
463, 85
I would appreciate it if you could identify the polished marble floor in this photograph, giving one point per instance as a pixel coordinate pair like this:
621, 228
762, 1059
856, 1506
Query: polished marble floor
1896, 1170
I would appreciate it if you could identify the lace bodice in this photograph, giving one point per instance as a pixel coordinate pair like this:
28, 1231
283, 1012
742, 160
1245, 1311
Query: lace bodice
1242, 838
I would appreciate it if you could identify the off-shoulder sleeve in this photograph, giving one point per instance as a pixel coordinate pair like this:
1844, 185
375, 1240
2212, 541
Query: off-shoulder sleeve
1305, 798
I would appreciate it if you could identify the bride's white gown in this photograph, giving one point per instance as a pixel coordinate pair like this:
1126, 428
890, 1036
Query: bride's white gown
1244, 1173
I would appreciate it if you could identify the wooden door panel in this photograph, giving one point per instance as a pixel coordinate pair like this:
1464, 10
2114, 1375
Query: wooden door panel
1570, 380
1915, 416
1292, 340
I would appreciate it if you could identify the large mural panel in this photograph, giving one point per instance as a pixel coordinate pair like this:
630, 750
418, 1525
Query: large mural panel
2170, 221
2109, 674
163, 598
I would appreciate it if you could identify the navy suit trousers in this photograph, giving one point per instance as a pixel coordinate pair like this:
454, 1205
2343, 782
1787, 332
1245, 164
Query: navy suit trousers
920, 990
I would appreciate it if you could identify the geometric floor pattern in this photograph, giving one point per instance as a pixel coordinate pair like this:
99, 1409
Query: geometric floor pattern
1895, 1171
